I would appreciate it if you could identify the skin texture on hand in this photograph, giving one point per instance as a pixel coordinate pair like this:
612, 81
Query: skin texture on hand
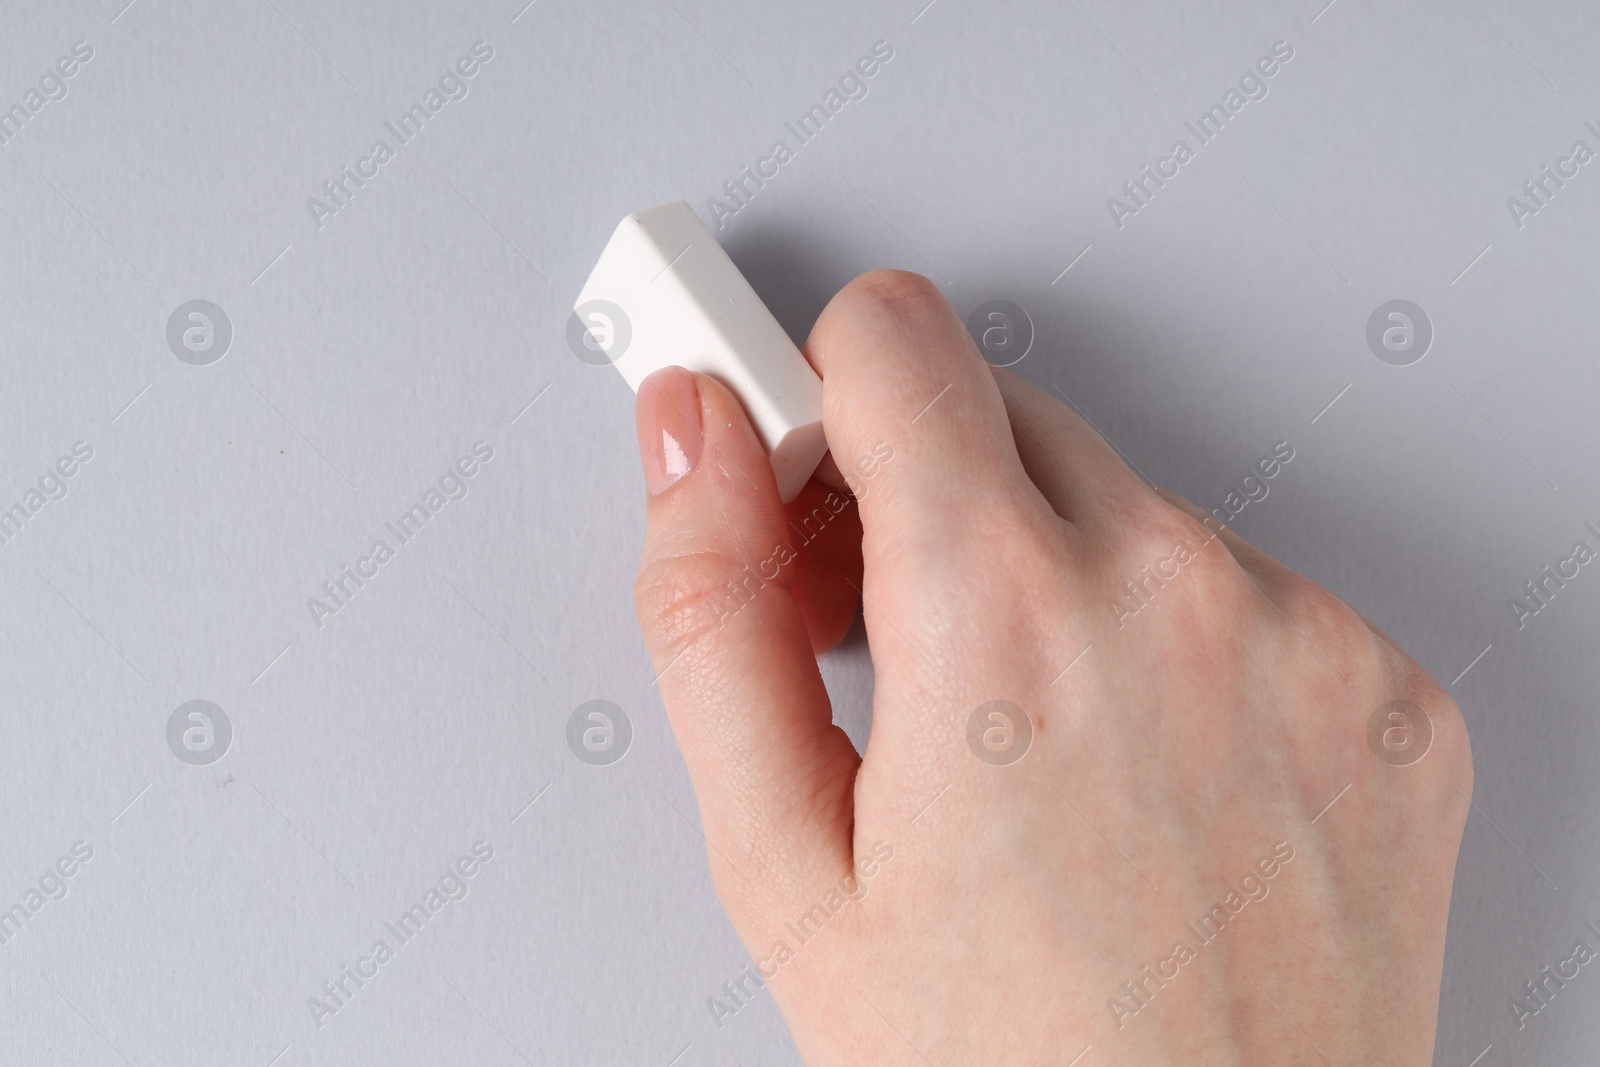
1197, 831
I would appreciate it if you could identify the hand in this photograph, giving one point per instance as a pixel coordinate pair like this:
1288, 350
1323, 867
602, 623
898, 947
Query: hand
1160, 875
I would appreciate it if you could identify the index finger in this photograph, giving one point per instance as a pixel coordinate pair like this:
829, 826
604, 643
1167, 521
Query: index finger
901, 378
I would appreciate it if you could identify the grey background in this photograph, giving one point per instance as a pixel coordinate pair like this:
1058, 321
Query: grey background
370, 353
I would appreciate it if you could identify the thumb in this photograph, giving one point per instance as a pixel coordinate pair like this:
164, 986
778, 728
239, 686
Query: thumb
774, 777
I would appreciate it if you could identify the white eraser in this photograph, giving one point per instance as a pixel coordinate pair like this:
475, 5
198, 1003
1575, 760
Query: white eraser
664, 294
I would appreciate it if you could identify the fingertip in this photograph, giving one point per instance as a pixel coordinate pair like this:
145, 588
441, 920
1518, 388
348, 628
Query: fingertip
668, 420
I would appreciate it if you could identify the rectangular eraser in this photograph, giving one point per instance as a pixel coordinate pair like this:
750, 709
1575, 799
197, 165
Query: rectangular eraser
663, 294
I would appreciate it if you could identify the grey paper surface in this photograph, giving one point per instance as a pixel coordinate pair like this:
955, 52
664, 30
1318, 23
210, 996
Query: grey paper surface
377, 338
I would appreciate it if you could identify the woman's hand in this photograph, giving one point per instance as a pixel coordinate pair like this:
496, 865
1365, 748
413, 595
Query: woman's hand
1132, 785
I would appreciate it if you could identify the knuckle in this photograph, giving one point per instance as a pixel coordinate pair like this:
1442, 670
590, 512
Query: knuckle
1330, 624
879, 309
992, 567
1006, 542
888, 302
1327, 633
1002, 523
679, 599
1166, 551
1450, 752
1151, 527
888, 288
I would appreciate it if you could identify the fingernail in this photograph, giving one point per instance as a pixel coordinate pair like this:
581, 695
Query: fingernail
668, 419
